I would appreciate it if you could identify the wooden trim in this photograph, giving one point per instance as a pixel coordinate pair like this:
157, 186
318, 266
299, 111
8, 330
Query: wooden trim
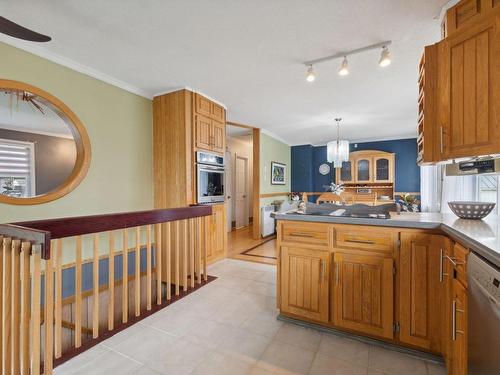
232, 123
83, 149
269, 195
408, 192
36, 236
79, 225
256, 184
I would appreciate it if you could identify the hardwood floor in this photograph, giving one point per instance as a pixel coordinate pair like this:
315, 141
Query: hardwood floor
242, 245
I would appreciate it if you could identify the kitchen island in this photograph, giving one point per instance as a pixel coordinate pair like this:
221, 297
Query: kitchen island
400, 280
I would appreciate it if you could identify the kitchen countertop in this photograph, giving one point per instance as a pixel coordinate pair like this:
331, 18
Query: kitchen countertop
481, 236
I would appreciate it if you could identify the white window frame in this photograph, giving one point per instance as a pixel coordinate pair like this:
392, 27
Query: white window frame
32, 171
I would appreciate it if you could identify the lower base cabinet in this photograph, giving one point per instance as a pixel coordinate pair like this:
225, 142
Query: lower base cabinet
458, 347
363, 294
304, 282
217, 247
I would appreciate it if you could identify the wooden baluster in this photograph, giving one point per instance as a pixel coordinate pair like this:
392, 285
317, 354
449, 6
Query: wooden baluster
148, 267
176, 250
35, 311
168, 243
204, 250
125, 277
199, 223
49, 316
6, 303
25, 307
185, 249
58, 303
78, 292
16, 307
111, 282
158, 260
95, 288
192, 240
137, 282
1, 303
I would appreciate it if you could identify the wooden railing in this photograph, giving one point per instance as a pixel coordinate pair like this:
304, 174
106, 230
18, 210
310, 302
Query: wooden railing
70, 283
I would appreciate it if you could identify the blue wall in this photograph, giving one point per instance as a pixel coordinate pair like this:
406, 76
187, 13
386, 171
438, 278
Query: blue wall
306, 160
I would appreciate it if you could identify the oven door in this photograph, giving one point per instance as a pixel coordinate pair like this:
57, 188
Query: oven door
210, 184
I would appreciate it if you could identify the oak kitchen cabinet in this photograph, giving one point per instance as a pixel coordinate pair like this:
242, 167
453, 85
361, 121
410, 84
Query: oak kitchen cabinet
209, 125
217, 248
459, 101
405, 286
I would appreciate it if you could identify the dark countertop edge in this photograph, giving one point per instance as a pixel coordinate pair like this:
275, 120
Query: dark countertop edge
476, 247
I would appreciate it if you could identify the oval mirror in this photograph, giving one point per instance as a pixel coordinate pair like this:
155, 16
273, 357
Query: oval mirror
44, 148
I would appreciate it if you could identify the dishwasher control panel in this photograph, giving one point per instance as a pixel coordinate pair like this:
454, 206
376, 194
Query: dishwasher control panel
485, 275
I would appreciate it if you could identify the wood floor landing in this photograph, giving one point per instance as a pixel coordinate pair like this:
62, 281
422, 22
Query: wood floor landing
242, 245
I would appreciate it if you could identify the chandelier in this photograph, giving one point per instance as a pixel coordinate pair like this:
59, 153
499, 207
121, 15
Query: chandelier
337, 151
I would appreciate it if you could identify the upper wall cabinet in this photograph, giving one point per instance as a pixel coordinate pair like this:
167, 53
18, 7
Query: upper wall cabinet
459, 101
210, 125
367, 166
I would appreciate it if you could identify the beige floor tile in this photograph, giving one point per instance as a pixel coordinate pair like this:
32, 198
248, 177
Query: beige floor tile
109, 363
395, 363
301, 337
263, 323
144, 370
76, 363
281, 358
244, 343
345, 349
231, 282
209, 332
259, 287
435, 369
258, 370
176, 323
223, 363
328, 365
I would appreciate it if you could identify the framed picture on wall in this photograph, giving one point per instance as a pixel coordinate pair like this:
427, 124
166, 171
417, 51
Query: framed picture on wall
278, 173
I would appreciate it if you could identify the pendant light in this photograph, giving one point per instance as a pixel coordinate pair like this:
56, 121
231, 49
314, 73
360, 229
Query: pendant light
337, 151
385, 57
310, 76
344, 67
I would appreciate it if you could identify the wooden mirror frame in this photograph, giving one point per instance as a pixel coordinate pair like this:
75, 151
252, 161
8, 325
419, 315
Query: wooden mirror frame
80, 136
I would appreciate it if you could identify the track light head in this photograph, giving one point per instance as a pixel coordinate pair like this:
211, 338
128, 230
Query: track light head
344, 67
310, 76
385, 57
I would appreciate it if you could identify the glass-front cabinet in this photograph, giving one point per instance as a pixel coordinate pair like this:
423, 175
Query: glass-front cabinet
345, 176
383, 168
367, 167
363, 169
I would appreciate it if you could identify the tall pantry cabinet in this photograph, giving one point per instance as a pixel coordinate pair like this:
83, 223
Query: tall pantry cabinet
185, 122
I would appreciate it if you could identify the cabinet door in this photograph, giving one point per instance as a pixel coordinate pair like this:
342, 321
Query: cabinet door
383, 169
218, 136
363, 294
421, 290
218, 113
203, 106
469, 91
459, 330
363, 170
203, 132
304, 282
345, 174
219, 230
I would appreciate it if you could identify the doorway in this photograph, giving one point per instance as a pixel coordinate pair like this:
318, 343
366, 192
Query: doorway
241, 188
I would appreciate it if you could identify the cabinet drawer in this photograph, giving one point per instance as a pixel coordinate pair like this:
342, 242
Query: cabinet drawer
307, 233
376, 240
459, 259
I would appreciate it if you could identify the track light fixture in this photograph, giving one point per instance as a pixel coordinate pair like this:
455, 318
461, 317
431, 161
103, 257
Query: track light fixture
344, 67
385, 59
310, 76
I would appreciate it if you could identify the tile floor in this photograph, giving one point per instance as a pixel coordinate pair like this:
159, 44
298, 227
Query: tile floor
230, 327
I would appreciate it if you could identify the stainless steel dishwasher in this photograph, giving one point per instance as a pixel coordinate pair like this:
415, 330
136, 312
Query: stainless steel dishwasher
484, 317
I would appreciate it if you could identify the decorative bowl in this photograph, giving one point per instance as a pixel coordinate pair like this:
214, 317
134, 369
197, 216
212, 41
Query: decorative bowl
471, 210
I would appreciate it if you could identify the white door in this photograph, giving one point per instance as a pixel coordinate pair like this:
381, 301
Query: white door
241, 191
229, 190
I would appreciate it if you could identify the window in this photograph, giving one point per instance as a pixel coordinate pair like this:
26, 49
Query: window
487, 190
17, 168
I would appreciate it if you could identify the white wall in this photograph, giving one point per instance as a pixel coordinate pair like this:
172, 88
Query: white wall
241, 146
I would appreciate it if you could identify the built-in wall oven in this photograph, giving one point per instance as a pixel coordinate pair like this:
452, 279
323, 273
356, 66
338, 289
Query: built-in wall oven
210, 177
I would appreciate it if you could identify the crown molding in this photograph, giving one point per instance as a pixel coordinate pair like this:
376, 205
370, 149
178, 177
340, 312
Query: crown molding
178, 88
37, 50
275, 136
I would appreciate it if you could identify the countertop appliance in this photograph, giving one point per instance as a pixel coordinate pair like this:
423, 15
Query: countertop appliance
355, 210
476, 166
484, 316
210, 177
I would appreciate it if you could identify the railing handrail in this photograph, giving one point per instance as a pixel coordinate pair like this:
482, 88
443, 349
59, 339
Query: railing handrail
42, 231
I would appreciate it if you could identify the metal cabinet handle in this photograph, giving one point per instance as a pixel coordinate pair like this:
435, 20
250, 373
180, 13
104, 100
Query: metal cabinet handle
368, 242
298, 234
441, 146
322, 270
454, 329
454, 261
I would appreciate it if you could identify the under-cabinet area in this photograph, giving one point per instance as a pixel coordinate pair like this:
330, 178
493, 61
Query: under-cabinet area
398, 285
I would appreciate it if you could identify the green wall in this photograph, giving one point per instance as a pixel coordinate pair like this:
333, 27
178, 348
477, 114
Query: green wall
119, 125
273, 150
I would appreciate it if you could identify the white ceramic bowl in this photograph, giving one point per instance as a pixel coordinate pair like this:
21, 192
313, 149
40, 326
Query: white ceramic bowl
471, 210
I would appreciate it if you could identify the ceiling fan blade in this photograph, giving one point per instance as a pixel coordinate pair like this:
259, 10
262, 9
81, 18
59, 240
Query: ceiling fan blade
17, 31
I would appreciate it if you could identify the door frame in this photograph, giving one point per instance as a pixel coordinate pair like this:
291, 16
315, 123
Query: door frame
245, 159
255, 177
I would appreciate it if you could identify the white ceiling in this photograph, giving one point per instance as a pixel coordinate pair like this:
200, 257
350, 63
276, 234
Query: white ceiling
248, 55
24, 117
